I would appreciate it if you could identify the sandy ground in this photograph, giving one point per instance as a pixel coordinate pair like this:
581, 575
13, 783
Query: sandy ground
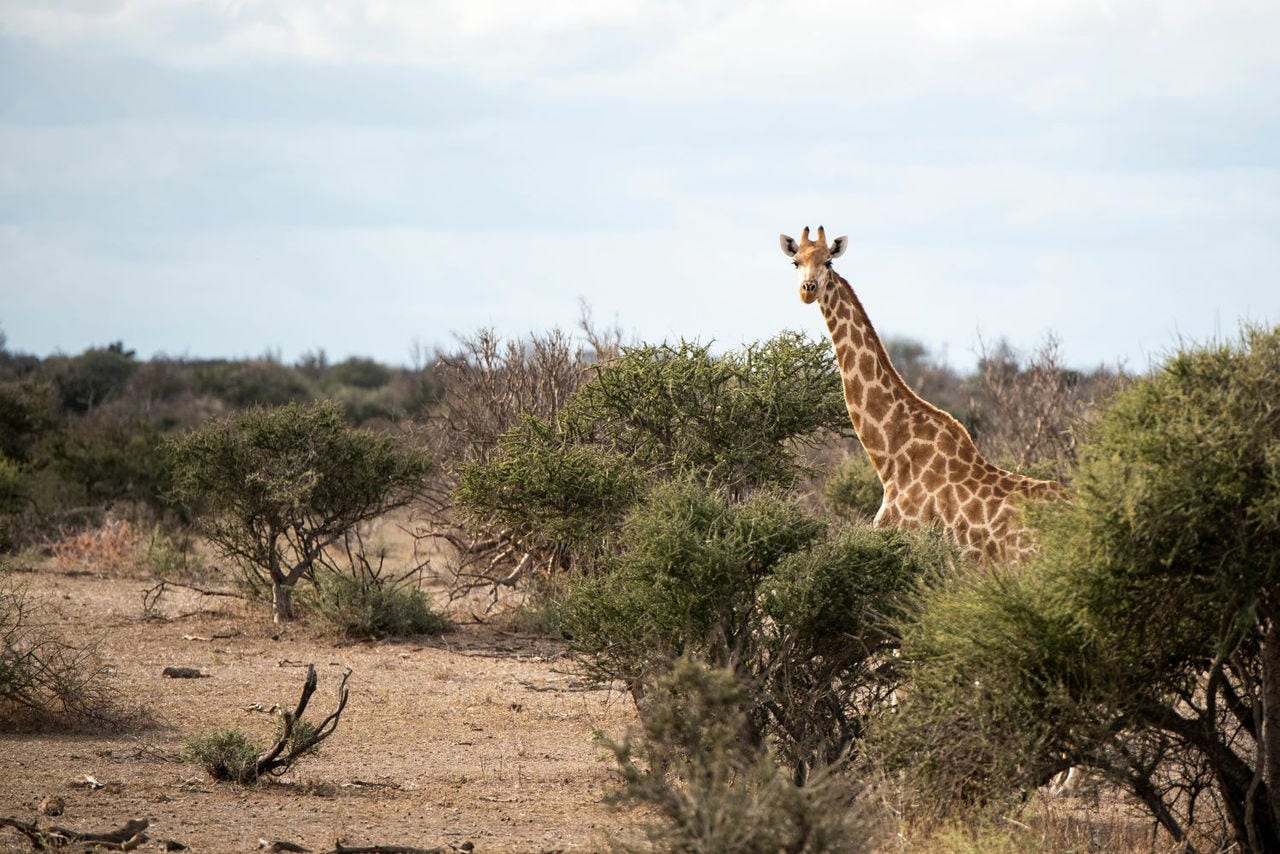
477, 740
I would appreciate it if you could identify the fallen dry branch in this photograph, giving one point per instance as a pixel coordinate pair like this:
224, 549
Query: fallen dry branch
127, 837
151, 596
277, 760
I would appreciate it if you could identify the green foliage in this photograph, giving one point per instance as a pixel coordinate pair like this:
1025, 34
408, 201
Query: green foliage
260, 382
228, 755
558, 488
557, 499
272, 489
713, 789
684, 583
992, 711
361, 373
853, 490
12, 483
94, 377
803, 618
111, 455
1142, 641
729, 420
233, 756
24, 416
372, 610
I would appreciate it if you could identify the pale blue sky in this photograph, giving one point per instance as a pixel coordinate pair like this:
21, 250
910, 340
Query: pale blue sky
230, 178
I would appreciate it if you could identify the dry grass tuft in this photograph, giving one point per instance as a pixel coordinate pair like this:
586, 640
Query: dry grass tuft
114, 546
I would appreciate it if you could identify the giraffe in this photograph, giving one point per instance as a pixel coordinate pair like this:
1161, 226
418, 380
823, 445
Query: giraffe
927, 463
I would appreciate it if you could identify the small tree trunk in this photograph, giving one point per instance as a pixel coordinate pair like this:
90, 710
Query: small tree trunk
1270, 656
282, 601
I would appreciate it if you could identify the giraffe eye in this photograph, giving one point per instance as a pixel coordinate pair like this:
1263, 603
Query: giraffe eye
795, 264
828, 265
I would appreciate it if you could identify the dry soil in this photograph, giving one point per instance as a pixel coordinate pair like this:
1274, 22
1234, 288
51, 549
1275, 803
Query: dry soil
476, 740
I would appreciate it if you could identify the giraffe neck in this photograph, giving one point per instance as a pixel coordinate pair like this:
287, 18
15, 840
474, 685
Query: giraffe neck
874, 391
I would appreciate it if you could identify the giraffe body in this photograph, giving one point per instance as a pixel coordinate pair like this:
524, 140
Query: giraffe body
929, 466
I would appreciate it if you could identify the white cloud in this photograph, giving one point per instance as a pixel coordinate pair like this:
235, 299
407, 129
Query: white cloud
1050, 51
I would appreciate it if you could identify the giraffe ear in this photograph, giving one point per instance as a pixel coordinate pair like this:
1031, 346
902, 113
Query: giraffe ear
788, 245
838, 246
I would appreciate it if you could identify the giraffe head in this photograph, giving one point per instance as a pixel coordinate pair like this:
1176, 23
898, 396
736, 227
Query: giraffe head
812, 259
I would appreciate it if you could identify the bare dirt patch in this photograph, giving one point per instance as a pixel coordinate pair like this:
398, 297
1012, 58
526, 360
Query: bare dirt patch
479, 736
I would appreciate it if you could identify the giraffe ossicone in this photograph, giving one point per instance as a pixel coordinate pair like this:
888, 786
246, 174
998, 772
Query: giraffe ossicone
927, 463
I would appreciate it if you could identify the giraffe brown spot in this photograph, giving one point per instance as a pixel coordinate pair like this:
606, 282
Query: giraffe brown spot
896, 433
923, 427
842, 310
946, 443
878, 402
856, 338
967, 452
852, 389
872, 438
867, 364
932, 478
976, 512
918, 454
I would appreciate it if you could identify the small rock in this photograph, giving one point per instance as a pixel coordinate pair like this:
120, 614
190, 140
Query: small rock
174, 845
52, 805
183, 673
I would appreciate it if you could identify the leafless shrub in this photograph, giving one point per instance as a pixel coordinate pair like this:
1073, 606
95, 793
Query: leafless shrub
1027, 410
45, 678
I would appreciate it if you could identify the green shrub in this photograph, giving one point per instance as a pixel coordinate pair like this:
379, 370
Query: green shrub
360, 373
802, 616
12, 483
358, 609
111, 455
710, 788
557, 488
853, 490
94, 377
684, 583
260, 382
730, 420
25, 416
557, 500
227, 755
1141, 641
273, 489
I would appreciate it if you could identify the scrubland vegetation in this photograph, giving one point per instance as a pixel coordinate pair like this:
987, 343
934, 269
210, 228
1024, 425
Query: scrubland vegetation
693, 522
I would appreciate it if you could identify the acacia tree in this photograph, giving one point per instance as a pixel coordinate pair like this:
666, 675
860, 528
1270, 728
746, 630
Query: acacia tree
272, 489
1144, 643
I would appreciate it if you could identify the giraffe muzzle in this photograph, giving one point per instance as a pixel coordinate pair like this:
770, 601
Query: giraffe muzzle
808, 290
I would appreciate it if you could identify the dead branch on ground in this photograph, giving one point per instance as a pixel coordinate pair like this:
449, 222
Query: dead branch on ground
124, 838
